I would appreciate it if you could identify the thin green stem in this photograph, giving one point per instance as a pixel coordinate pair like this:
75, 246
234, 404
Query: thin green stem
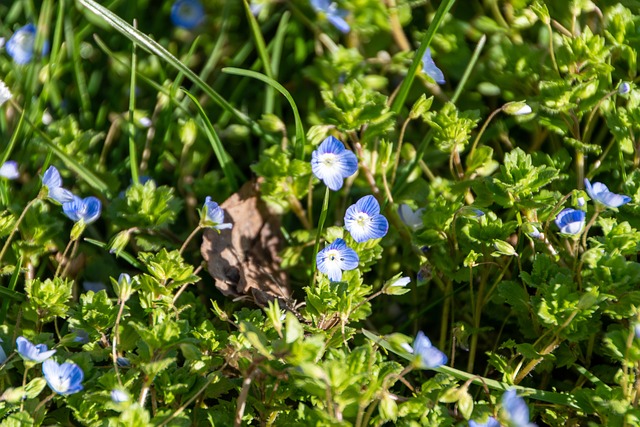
316, 247
191, 236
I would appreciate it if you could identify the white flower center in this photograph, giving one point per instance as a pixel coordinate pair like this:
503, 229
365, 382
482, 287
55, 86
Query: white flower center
362, 219
333, 255
328, 159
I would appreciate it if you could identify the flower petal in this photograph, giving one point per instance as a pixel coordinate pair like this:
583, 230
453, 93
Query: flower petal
431, 69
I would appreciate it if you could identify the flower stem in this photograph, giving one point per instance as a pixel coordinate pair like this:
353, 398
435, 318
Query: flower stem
191, 236
64, 254
15, 228
323, 217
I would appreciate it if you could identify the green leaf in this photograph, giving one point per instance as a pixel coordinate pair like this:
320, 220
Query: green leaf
256, 338
300, 135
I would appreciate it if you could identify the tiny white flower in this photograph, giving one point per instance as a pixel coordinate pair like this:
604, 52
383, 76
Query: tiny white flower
5, 93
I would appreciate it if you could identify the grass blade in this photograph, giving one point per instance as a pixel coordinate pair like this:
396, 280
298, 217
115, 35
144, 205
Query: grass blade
155, 48
300, 137
398, 101
223, 158
264, 56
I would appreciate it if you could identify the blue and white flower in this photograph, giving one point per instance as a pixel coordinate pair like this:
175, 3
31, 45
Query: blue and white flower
9, 170
52, 181
516, 409
33, 353
5, 93
212, 216
364, 221
430, 356
63, 379
20, 45
119, 396
491, 422
332, 163
570, 221
624, 88
85, 210
411, 219
187, 14
335, 258
334, 15
601, 194
431, 69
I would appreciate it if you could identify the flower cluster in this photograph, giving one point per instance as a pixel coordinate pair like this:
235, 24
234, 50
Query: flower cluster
572, 221
82, 211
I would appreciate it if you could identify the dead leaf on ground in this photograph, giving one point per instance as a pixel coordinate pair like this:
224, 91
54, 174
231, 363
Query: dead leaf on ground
244, 261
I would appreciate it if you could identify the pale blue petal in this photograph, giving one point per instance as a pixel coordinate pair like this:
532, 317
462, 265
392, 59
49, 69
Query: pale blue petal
339, 22
516, 408
60, 195
348, 163
51, 178
93, 207
9, 170
431, 69
368, 205
409, 217
570, 221
331, 145
430, 356
119, 396
601, 194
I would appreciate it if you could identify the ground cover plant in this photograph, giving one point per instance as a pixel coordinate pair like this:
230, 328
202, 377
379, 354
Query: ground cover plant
306, 212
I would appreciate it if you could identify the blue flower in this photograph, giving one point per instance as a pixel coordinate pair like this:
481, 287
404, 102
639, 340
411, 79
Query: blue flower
9, 170
412, 219
20, 45
3, 355
516, 409
335, 258
53, 183
332, 163
86, 210
570, 221
431, 69
334, 15
601, 194
624, 88
33, 353
187, 14
213, 216
63, 379
491, 422
430, 356
119, 396
363, 220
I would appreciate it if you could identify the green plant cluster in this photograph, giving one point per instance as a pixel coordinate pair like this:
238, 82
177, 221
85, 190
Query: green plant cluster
511, 192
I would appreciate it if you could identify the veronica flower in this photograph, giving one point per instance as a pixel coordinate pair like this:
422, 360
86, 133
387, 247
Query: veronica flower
86, 210
412, 219
53, 183
33, 353
5, 93
63, 379
119, 396
431, 69
516, 409
20, 45
212, 215
624, 88
334, 15
601, 194
430, 356
332, 163
335, 258
187, 14
570, 221
363, 220
9, 170
491, 422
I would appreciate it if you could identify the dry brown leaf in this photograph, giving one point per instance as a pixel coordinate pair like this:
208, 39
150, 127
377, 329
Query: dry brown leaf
244, 261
